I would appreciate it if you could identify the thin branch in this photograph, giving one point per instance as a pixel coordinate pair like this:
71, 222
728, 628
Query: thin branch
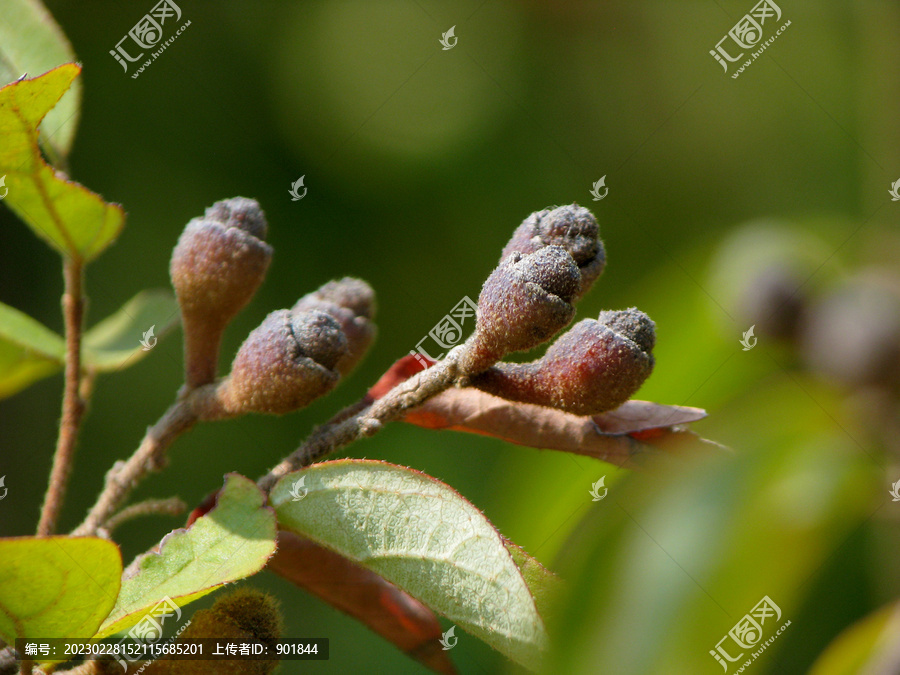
123, 477
166, 507
355, 422
342, 430
73, 405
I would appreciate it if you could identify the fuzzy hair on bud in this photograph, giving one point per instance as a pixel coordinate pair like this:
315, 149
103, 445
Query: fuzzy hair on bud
217, 265
596, 366
284, 364
523, 303
574, 228
352, 303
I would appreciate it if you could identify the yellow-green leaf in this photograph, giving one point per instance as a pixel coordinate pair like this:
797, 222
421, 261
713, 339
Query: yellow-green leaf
542, 583
28, 351
56, 587
864, 646
131, 332
31, 42
73, 220
234, 540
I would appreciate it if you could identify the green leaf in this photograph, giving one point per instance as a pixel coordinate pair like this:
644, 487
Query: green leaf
19, 369
59, 587
424, 537
697, 538
20, 329
73, 220
234, 540
863, 646
31, 42
542, 583
28, 351
116, 340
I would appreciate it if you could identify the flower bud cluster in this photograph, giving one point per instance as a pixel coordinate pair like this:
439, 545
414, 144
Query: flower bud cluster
553, 258
294, 356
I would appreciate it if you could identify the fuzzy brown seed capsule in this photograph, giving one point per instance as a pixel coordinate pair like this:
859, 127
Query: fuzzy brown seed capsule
574, 228
352, 303
284, 364
524, 302
218, 264
595, 366
246, 615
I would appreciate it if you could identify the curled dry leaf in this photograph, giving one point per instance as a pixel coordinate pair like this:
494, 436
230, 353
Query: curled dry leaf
618, 434
631, 428
635, 417
392, 613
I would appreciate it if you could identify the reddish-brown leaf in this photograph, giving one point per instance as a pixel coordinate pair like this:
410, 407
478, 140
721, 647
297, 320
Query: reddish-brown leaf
618, 434
402, 369
393, 614
635, 417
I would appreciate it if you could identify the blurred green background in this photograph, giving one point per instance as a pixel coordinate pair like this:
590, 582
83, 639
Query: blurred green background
419, 163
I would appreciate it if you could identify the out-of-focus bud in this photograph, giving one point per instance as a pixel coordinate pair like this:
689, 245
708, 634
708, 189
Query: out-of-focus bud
352, 303
524, 302
764, 274
284, 364
853, 334
574, 228
218, 264
595, 366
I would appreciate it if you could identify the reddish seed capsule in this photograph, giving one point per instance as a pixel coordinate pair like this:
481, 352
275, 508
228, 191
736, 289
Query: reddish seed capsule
595, 366
242, 616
